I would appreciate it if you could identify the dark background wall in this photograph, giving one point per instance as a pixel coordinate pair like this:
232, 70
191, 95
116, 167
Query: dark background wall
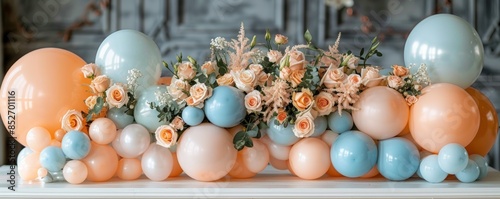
187, 26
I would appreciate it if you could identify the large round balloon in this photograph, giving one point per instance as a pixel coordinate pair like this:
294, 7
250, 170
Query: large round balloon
449, 46
40, 88
143, 112
353, 154
488, 125
125, 50
444, 114
398, 158
226, 107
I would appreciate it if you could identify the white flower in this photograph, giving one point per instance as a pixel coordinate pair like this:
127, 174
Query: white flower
166, 136
219, 43
132, 77
253, 101
72, 120
245, 80
199, 92
162, 98
89, 70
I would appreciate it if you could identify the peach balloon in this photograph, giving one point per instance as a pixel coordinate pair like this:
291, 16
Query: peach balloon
129, 169
278, 164
102, 131
55, 143
277, 151
42, 172
488, 125
157, 162
410, 138
383, 112
310, 158
329, 137
406, 130
372, 173
164, 81
240, 170
255, 158
101, 162
290, 168
28, 167
333, 172
444, 114
75, 172
38, 138
206, 152
47, 83
59, 134
176, 169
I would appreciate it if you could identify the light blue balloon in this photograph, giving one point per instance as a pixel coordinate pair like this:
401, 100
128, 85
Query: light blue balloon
453, 158
226, 107
430, 170
320, 125
52, 158
280, 134
482, 164
353, 154
125, 50
144, 114
119, 117
449, 46
340, 123
252, 133
192, 116
75, 145
470, 173
22, 154
398, 158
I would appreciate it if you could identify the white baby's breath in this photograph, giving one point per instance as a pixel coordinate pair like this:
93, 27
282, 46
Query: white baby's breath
218, 43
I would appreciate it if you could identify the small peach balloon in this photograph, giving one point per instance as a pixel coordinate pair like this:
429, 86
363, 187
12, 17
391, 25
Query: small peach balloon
157, 162
55, 143
277, 151
278, 164
59, 134
310, 158
129, 169
176, 169
75, 171
42, 172
333, 172
329, 137
101, 162
28, 167
372, 173
164, 81
255, 158
240, 170
38, 138
102, 131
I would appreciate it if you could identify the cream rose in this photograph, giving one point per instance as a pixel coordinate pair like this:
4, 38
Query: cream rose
245, 80
370, 76
72, 120
280, 39
354, 79
395, 81
297, 60
225, 80
91, 101
253, 101
334, 77
350, 61
177, 123
302, 100
208, 68
116, 96
166, 136
400, 71
262, 78
411, 99
257, 68
186, 70
285, 73
199, 92
324, 103
90, 70
304, 125
327, 61
274, 56
100, 84
296, 77
177, 88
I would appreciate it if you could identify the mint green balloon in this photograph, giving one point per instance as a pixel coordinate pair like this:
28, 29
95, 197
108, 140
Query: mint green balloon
449, 46
143, 113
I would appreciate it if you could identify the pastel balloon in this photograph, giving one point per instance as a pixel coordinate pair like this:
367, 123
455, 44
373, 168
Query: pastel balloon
240, 169
410, 138
144, 114
117, 143
129, 169
449, 57
430, 169
333, 172
44, 84
59, 134
382, 112
206, 152
102, 131
52, 158
470, 173
193, 116
22, 154
42, 172
488, 125
320, 125
453, 158
278, 164
75, 145
134, 141
398, 158
101, 162
309, 158
444, 114
164, 81
75, 172
340, 122
255, 158
482, 164
120, 117
280, 134
329, 137
38, 138
157, 162
226, 107
353, 154
277, 151
372, 173
28, 167
176, 168
125, 50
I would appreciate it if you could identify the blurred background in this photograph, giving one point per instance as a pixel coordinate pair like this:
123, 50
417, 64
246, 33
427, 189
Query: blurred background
188, 25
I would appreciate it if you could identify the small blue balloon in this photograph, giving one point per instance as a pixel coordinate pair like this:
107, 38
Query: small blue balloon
453, 158
75, 145
226, 107
320, 125
398, 158
353, 154
144, 114
482, 164
430, 170
192, 116
119, 117
252, 133
52, 158
280, 134
470, 173
22, 154
340, 123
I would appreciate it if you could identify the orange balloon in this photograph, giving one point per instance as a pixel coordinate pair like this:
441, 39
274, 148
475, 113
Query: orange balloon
410, 138
28, 167
240, 170
444, 114
40, 88
129, 169
333, 172
101, 162
488, 125
406, 130
372, 173
278, 164
309, 158
176, 169
164, 81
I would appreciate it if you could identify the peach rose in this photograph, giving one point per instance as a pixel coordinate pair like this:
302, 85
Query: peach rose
100, 83
302, 100
351, 61
324, 103
285, 73
280, 39
297, 60
262, 78
281, 117
245, 80
274, 56
395, 81
334, 77
208, 68
91, 101
116, 96
225, 80
411, 99
199, 92
304, 125
354, 79
327, 61
166, 136
296, 77
257, 68
72, 120
253, 101
400, 71
186, 70
177, 123
177, 89
90, 70
370, 76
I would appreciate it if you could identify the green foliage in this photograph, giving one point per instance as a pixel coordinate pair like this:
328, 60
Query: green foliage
373, 51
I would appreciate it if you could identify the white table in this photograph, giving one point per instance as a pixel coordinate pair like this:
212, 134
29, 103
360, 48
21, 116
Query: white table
269, 184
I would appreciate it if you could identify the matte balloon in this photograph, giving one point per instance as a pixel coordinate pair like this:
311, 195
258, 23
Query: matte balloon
320, 125
22, 154
488, 125
38, 138
120, 117
75, 145
134, 141
353, 154
255, 158
101, 162
240, 169
125, 50
381, 112
449, 57
42, 172
372, 173
340, 122
470, 173
452, 158
277, 151
176, 168
329, 137
333, 172
309, 158
52, 158
280, 134
226, 107
75, 172
482, 164
102, 131
28, 167
444, 114
278, 164
430, 170
398, 158
44, 84
129, 169
143, 112
193, 116
59, 134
